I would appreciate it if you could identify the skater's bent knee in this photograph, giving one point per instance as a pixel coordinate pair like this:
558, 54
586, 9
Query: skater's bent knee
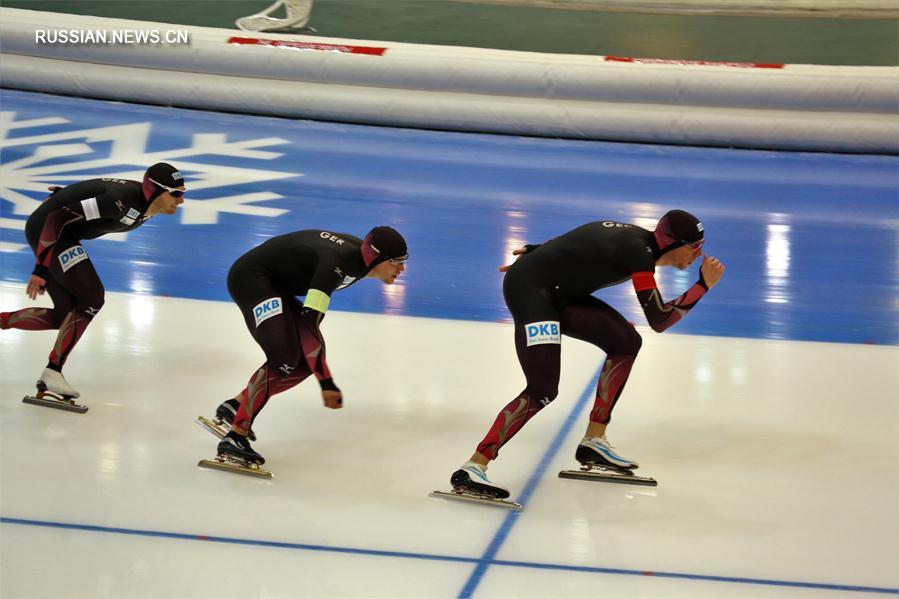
628, 343
544, 394
284, 363
635, 342
89, 305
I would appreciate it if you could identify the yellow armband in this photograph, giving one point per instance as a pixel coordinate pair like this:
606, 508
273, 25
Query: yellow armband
317, 300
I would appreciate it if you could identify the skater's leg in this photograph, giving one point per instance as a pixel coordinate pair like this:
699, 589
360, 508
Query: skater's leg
538, 346
28, 319
541, 365
594, 321
284, 368
82, 283
41, 319
77, 295
263, 384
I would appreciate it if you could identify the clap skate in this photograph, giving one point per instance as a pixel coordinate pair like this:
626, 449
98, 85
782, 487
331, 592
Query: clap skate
235, 455
224, 416
53, 391
600, 462
470, 483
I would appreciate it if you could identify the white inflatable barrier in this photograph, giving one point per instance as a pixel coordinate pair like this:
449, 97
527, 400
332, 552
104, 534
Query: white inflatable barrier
863, 9
797, 107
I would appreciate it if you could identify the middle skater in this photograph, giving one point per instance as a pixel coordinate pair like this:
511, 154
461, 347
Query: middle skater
264, 283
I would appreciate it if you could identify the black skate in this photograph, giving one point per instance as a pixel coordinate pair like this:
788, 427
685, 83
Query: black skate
597, 465
470, 483
587, 456
224, 418
600, 461
48, 399
236, 455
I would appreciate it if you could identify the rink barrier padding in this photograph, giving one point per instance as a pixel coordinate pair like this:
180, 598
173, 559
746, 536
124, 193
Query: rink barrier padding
789, 107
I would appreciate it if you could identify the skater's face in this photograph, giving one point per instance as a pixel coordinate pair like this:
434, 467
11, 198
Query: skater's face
167, 203
388, 271
682, 257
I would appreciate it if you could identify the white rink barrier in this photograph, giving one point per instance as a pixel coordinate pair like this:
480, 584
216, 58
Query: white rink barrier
793, 107
864, 9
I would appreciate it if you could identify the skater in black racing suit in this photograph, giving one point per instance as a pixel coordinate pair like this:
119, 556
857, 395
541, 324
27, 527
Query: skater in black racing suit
84, 210
264, 283
548, 291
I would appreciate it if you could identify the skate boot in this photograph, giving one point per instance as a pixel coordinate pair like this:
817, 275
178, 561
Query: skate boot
238, 448
472, 478
235, 455
470, 484
597, 451
227, 412
600, 462
55, 383
53, 391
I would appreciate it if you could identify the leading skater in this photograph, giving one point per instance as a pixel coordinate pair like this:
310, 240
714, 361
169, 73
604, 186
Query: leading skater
548, 290
84, 210
264, 283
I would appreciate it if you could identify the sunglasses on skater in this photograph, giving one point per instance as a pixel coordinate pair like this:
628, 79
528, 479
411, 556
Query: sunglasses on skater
694, 245
398, 261
176, 193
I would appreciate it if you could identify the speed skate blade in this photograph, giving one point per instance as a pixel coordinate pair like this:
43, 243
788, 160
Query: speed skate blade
212, 426
609, 476
60, 404
235, 468
483, 500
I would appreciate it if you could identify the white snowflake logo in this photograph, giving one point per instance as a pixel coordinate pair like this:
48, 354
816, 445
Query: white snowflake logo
24, 181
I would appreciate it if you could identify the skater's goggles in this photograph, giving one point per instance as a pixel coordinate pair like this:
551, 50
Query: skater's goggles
398, 261
696, 246
176, 193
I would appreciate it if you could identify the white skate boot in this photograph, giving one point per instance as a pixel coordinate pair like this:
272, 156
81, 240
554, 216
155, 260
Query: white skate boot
53, 391
56, 383
598, 451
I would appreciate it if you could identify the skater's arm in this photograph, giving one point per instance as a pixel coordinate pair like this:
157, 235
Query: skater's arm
73, 208
312, 343
324, 281
660, 315
311, 339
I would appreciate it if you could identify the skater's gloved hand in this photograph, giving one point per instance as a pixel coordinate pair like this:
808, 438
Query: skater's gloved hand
36, 286
332, 399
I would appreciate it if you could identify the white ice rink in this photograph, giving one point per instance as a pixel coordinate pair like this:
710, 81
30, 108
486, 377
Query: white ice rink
777, 465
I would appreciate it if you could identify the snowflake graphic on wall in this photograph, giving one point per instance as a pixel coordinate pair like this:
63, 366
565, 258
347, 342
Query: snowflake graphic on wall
68, 155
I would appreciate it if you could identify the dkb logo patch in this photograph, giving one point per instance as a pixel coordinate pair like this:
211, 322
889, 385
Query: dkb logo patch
71, 257
546, 331
267, 309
